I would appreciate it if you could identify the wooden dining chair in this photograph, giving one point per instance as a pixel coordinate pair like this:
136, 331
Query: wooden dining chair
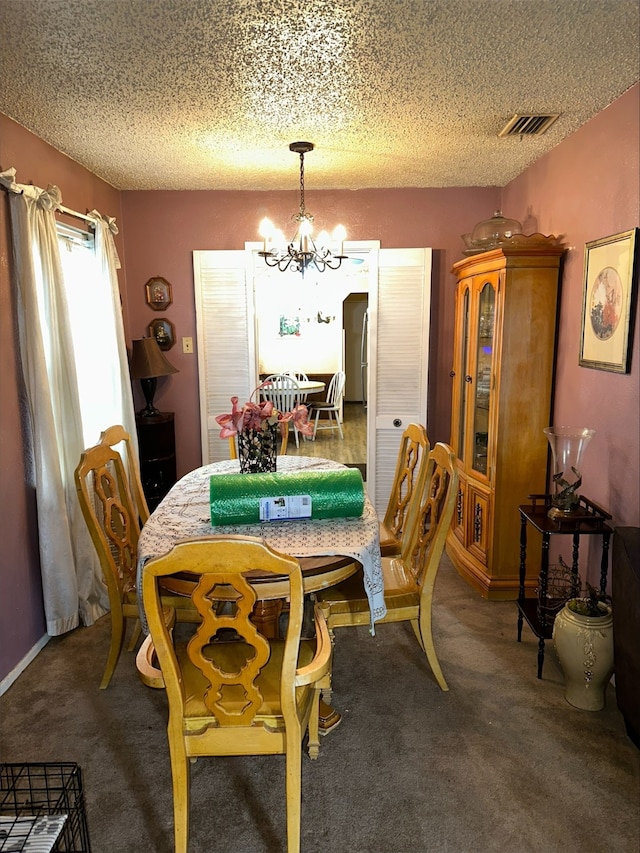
331, 406
107, 507
299, 376
230, 690
283, 391
409, 577
411, 469
117, 435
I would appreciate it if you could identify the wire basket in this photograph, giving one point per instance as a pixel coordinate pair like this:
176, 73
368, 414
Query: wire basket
562, 584
42, 809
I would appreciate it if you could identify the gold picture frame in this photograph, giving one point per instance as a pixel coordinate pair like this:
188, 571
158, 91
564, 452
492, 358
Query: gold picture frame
608, 302
163, 331
159, 294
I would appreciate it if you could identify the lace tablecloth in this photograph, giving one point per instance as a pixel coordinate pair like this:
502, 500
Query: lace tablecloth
184, 514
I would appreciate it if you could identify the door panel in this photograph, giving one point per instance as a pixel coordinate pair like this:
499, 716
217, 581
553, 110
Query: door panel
225, 341
398, 360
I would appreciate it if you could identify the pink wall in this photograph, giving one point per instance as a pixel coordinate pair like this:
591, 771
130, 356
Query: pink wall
587, 188
21, 612
164, 228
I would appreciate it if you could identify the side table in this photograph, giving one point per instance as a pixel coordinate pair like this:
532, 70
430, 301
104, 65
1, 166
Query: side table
588, 520
157, 445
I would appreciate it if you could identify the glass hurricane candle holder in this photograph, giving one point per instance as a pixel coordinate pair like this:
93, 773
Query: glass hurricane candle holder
568, 445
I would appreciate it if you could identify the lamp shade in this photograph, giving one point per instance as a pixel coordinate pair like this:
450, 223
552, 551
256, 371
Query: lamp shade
148, 360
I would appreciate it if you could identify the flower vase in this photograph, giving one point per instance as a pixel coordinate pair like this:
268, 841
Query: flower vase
258, 450
584, 645
568, 445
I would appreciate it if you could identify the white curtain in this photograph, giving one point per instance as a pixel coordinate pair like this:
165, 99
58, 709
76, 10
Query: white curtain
72, 584
107, 255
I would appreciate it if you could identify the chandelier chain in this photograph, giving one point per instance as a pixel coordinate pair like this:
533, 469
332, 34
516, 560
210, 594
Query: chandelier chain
302, 207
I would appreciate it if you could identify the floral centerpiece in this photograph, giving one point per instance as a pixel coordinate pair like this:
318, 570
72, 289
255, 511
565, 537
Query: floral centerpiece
257, 426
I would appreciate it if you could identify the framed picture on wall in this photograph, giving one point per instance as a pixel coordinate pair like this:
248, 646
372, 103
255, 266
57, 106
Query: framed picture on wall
158, 293
608, 302
163, 331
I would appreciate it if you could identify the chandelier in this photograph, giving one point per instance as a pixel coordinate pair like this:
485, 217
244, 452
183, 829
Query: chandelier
302, 252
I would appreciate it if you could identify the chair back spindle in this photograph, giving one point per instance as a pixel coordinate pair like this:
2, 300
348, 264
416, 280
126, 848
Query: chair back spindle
410, 473
117, 435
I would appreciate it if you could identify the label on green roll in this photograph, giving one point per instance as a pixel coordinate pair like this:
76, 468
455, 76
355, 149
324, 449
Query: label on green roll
285, 507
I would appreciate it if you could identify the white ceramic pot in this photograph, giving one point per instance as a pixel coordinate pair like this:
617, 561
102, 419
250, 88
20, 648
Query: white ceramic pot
584, 645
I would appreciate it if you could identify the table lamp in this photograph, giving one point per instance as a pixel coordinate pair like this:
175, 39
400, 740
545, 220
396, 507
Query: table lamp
147, 363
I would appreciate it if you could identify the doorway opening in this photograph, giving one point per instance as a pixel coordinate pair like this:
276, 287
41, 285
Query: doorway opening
352, 450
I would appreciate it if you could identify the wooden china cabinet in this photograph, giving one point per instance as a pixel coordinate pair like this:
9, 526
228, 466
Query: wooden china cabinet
505, 331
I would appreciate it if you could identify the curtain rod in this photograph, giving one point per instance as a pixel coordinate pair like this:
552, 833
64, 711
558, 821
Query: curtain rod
62, 209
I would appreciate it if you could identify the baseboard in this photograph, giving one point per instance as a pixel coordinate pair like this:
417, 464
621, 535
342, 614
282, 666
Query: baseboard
17, 671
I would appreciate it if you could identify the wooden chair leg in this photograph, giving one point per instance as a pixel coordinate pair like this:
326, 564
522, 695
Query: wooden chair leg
339, 425
313, 731
180, 775
327, 691
150, 674
325, 684
428, 646
135, 636
115, 647
293, 789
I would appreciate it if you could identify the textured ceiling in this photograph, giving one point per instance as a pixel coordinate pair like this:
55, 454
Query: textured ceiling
208, 94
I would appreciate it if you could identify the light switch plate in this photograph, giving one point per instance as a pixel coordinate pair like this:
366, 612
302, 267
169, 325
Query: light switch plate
187, 345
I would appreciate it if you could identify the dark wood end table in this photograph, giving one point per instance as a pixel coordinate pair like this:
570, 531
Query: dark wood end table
588, 520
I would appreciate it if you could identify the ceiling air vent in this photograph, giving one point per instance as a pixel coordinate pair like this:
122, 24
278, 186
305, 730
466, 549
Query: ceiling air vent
521, 125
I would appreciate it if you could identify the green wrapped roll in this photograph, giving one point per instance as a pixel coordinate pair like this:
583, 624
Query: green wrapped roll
252, 498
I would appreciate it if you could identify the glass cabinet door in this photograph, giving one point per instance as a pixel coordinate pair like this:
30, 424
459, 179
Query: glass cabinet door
482, 381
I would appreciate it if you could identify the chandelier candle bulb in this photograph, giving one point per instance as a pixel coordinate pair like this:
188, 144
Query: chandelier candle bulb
266, 232
323, 239
305, 232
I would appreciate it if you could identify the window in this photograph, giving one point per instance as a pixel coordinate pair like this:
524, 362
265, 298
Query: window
90, 306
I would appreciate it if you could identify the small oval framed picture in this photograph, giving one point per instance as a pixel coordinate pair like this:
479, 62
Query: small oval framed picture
158, 293
163, 331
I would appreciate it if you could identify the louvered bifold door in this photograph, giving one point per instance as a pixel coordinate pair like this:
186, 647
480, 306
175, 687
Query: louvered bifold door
399, 357
225, 339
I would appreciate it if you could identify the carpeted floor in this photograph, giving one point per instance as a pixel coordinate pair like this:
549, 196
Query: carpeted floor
499, 763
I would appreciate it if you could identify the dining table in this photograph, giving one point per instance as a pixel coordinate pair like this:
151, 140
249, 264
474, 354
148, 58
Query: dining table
310, 386
329, 549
